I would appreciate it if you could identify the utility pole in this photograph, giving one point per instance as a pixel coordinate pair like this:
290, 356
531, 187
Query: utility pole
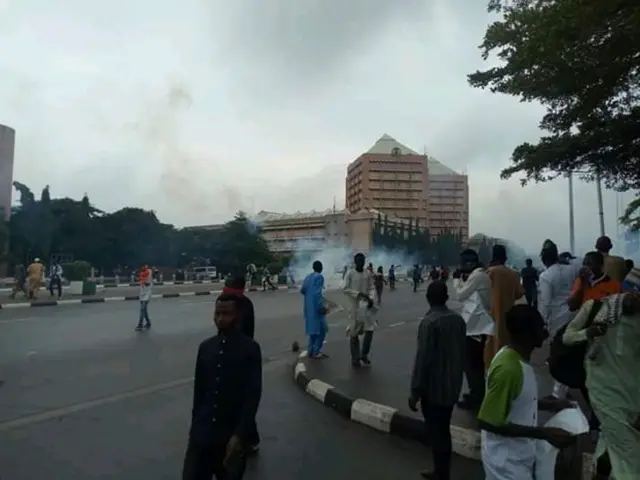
600, 205
572, 226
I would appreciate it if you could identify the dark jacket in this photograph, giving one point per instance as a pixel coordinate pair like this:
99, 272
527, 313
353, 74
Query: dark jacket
440, 357
227, 389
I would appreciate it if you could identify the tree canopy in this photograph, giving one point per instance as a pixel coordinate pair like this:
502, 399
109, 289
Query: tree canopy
70, 229
581, 60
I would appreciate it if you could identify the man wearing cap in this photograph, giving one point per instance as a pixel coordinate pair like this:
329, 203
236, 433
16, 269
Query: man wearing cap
614, 266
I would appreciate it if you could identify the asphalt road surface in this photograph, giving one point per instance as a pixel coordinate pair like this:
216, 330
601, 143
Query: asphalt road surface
86, 397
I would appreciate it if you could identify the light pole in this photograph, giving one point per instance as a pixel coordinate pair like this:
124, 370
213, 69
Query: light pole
572, 232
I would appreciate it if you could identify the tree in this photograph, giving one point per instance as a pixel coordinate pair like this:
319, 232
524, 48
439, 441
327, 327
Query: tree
581, 60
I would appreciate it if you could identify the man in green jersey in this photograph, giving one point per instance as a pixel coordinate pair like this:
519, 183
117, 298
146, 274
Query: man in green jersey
508, 416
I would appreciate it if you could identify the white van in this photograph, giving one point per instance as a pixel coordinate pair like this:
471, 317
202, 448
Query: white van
205, 273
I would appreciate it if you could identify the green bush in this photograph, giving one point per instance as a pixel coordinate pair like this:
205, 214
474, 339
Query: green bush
77, 271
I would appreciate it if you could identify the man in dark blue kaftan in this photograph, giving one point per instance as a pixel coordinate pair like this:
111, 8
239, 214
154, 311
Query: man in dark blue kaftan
315, 321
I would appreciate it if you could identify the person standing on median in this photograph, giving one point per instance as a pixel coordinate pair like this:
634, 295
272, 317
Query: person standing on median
315, 320
226, 395
146, 287
358, 284
436, 380
474, 294
508, 417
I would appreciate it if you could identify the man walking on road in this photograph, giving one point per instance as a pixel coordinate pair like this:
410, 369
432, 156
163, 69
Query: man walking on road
146, 286
475, 295
20, 277
358, 284
226, 394
436, 380
315, 321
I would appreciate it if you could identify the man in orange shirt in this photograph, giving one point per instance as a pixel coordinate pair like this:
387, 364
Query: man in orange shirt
593, 283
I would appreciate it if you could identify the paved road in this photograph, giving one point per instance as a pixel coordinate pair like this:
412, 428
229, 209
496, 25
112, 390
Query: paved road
86, 397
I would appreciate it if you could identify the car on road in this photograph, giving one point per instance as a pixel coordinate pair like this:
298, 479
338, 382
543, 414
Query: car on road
205, 273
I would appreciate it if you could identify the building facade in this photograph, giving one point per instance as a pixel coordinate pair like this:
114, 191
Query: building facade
400, 182
318, 230
391, 178
7, 151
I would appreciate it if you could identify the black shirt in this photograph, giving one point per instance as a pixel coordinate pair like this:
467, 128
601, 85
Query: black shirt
529, 277
227, 389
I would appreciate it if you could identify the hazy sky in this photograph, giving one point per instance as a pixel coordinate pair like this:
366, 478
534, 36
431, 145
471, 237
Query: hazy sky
199, 108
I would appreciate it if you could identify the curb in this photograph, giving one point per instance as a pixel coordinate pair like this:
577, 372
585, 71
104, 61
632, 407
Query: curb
386, 419
79, 301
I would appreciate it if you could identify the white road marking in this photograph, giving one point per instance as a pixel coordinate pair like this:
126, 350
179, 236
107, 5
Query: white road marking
396, 324
88, 405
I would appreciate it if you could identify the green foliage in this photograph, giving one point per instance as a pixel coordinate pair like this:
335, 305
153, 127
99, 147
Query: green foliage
417, 244
581, 60
125, 239
76, 271
631, 216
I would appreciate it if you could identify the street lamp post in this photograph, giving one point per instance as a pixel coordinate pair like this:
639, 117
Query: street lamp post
572, 233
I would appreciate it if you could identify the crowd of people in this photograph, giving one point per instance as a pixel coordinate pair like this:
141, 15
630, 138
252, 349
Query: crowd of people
589, 311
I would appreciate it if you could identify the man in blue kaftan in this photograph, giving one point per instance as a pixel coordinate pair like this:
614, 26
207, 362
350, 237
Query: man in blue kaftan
315, 321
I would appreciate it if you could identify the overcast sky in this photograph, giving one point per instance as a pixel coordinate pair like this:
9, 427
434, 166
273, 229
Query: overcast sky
198, 108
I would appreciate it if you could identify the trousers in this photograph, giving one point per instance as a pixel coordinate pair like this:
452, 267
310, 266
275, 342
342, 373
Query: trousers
438, 421
315, 343
474, 369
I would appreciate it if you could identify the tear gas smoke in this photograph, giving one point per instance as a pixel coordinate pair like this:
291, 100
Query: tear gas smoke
335, 257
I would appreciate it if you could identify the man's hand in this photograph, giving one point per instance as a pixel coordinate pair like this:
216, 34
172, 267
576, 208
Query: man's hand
234, 447
413, 403
457, 273
596, 330
558, 437
556, 405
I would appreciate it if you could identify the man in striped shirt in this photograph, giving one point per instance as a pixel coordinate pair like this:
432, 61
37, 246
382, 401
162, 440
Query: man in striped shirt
437, 374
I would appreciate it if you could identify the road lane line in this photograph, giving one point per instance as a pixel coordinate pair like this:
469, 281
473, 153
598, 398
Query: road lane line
396, 324
20, 422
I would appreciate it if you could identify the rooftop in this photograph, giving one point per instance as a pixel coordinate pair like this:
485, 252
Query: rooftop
386, 144
264, 216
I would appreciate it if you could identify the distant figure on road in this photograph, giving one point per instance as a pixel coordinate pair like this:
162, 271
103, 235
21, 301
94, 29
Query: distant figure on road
314, 310
378, 283
529, 275
392, 277
35, 271
145, 279
20, 277
416, 277
358, 284
226, 395
436, 380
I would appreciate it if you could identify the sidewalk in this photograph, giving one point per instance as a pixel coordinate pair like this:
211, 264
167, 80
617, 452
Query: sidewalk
377, 396
103, 297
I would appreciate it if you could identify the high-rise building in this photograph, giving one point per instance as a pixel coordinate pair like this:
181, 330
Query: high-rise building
7, 147
398, 181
